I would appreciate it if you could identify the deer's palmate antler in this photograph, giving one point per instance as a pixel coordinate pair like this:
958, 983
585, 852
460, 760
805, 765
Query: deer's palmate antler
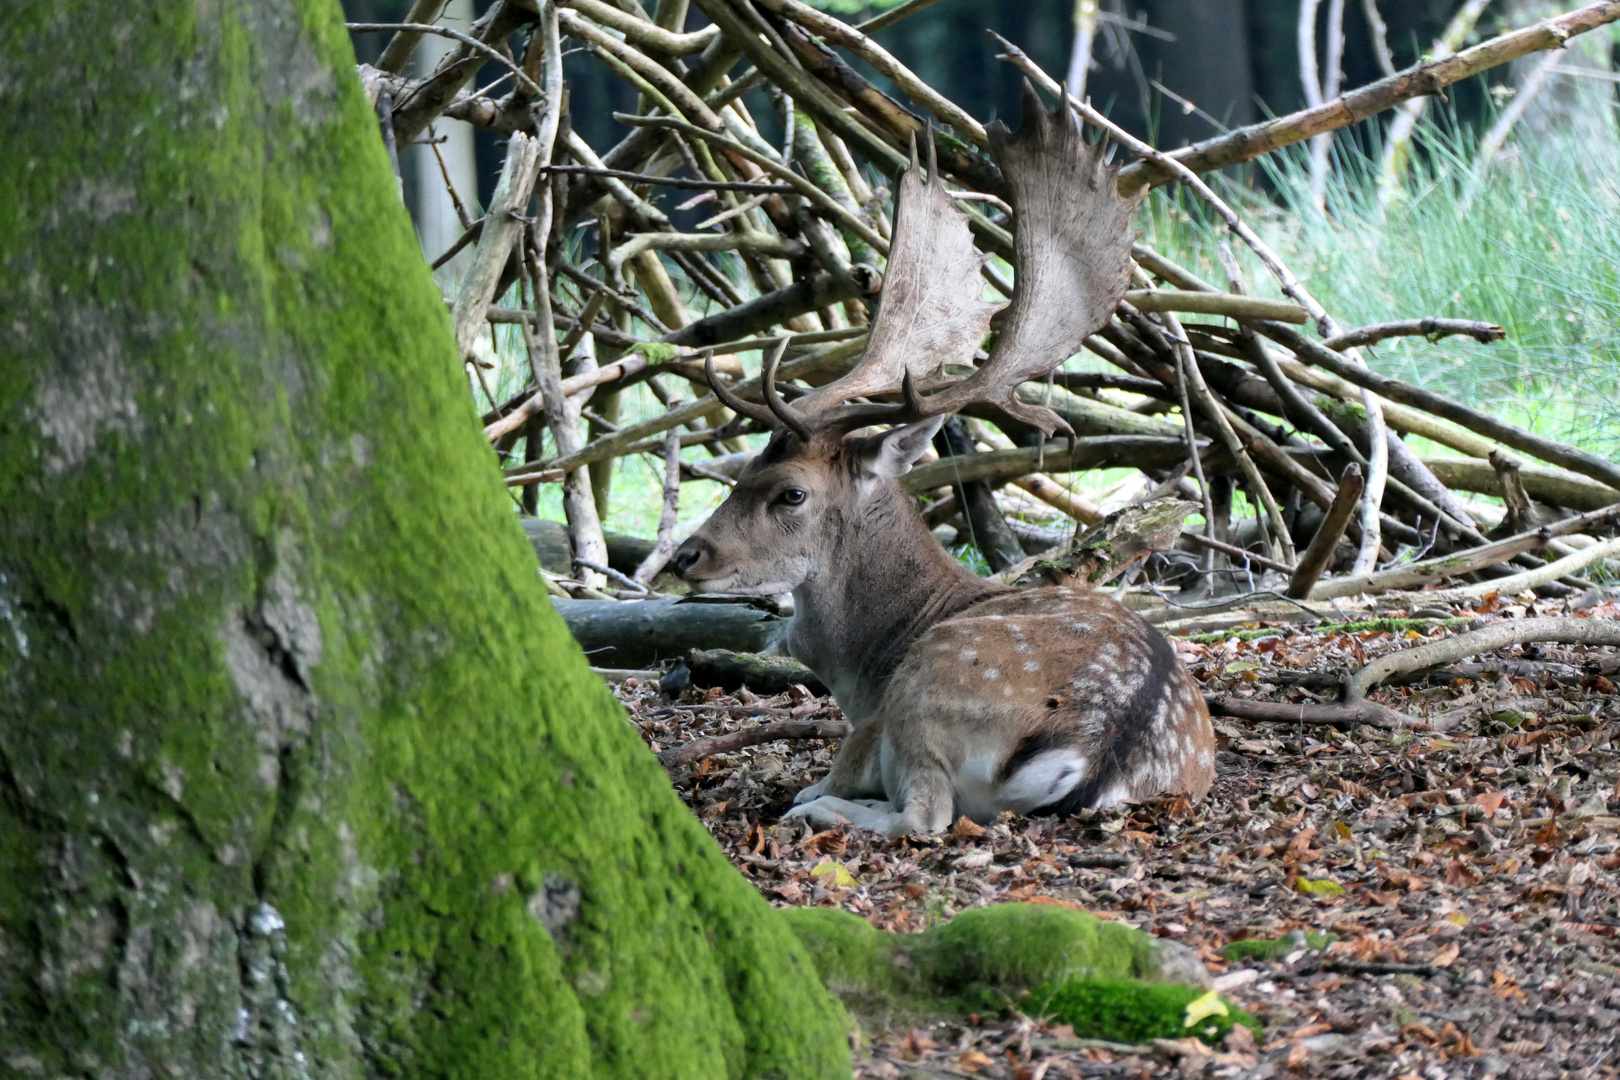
967, 697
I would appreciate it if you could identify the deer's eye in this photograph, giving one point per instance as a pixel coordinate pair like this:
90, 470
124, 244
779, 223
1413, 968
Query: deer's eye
791, 497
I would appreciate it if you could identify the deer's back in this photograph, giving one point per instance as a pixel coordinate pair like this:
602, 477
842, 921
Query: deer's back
1060, 674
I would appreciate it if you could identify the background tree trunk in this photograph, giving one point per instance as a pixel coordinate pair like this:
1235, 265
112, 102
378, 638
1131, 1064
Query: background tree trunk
299, 774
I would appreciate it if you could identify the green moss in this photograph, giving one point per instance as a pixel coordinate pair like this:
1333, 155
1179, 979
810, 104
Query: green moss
281, 697
1132, 1012
1274, 948
984, 960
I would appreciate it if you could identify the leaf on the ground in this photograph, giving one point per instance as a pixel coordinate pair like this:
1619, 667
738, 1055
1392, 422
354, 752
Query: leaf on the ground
833, 875
1319, 887
966, 829
1202, 1008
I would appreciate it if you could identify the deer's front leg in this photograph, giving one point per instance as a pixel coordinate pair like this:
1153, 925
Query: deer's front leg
856, 771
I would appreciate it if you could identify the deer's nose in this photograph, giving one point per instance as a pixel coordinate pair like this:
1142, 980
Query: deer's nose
688, 555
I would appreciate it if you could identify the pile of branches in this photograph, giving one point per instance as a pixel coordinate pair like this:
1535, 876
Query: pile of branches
1208, 388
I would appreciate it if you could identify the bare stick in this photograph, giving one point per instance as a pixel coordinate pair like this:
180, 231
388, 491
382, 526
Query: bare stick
1198, 303
1530, 579
534, 404
1495, 636
1234, 551
1201, 394
889, 18
672, 181
1054, 494
1319, 552
1378, 458
1421, 80
1399, 137
1313, 352
698, 749
659, 557
838, 32
641, 32
1417, 574
1335, 714
486, 51
1523, 98
1429, 327
503, 224
766, 162
400, 47
1380, 37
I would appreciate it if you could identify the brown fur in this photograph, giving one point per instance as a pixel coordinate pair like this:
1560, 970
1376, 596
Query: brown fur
966, 696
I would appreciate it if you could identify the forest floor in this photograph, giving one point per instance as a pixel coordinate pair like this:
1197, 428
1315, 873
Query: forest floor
1469, 883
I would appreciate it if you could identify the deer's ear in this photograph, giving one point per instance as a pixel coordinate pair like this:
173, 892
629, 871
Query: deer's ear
893, 453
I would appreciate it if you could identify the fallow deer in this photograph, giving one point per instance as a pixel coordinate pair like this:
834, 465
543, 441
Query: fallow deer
966, 697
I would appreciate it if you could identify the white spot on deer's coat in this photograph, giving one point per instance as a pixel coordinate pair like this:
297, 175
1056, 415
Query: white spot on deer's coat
1032, 666
992, 673
967, 655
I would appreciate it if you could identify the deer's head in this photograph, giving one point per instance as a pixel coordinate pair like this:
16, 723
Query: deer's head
819, 483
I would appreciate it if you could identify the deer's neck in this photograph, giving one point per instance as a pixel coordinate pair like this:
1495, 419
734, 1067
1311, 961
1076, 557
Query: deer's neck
887, 580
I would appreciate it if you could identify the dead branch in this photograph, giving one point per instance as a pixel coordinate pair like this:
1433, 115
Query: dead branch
661, 552
1340, 714
698, 749
1428, 327
1319, 552
1314, 352
1421, 80
1495, 636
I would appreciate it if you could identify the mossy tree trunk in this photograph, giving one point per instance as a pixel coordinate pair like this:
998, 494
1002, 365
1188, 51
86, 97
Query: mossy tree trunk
299, 774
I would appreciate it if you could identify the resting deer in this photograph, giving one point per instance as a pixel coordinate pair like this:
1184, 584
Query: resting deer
966, 696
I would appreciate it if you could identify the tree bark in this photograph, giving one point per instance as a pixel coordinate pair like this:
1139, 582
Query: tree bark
299, 773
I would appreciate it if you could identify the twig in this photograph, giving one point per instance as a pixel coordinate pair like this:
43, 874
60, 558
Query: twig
1236, 552
1421, 80
1205, 398
698, 749
660, 555
1319, 552
672, 181
1530, 579
799, 184
894, 15
1313, 352
398, 51
838, 32
1380, 37
1429, 327
1378, 463
1327, 714
1201, 303
608, 572
1417, 574
1398, 138
502, 226
1495, 636
640, 31
486, 51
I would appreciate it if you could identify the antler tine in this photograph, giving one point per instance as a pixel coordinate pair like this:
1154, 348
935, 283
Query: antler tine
933, 156
732, 401
1072, 254
779, 408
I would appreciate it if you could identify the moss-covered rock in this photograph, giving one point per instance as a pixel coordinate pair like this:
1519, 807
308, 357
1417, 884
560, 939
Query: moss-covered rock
986, 960
1134, 1012
1275, 948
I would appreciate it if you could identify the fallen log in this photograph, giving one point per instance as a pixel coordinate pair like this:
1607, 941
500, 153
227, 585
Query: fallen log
646, 633
762, 674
